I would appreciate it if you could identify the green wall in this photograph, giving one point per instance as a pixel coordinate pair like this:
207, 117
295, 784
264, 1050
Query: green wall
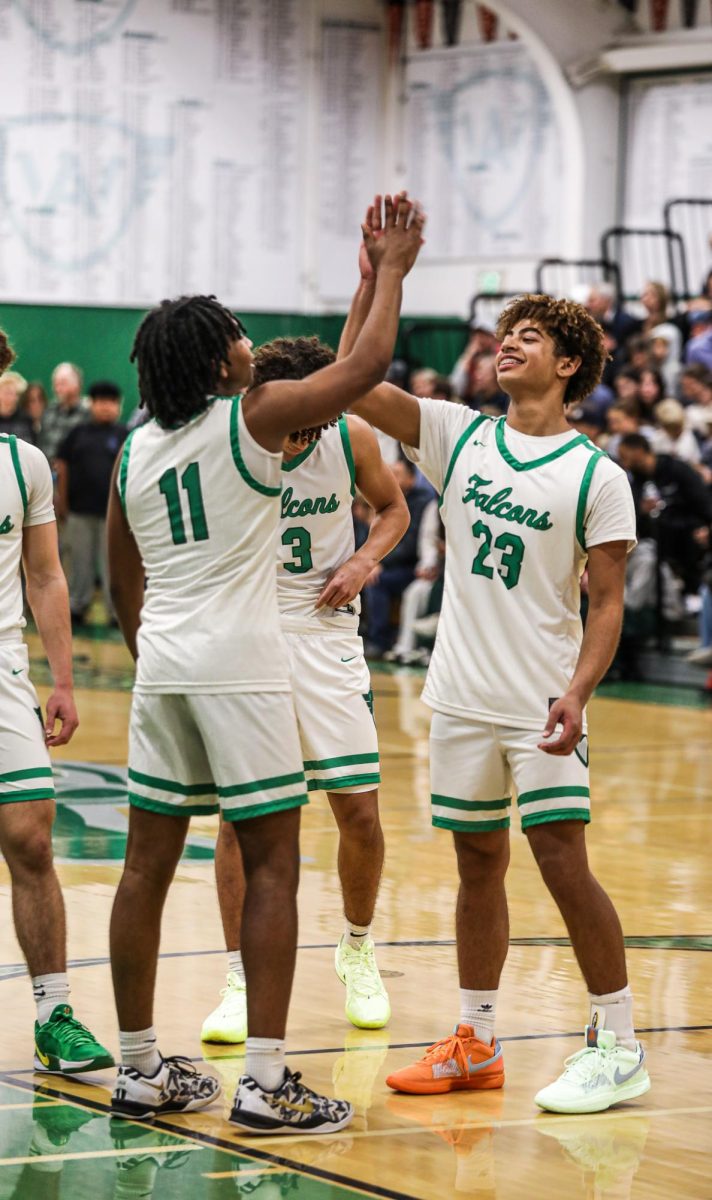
99, 340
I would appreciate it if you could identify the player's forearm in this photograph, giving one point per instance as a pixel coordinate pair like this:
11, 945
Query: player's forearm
49, 600
358, 312
600, 639
373, 347
385, 531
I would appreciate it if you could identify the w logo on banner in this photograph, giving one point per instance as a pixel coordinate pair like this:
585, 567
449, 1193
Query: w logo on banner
60, 172
75, 28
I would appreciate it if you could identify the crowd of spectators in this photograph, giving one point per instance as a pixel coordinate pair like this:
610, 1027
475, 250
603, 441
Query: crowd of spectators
81, 435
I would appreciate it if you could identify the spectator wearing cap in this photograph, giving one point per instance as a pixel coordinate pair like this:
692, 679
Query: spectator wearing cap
85, 462
482, 341
672, 434
12, 419
699, 347
66, 411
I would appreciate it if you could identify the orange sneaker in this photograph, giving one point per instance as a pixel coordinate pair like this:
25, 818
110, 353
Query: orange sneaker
458, 1063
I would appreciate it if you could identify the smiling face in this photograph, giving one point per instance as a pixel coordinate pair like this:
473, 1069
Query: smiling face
528, 363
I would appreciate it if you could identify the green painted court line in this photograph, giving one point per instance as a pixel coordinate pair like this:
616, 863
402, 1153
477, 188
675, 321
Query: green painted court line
671, 695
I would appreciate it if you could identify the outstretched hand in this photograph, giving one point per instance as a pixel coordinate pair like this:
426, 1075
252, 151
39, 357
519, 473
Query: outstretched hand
392, 238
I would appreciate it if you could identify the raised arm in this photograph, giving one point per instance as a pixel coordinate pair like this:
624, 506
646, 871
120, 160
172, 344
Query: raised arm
377, 484
276, 409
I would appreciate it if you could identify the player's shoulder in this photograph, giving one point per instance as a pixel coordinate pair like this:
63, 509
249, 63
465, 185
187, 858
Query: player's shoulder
361, 435
451, 416
32, 458
606, 469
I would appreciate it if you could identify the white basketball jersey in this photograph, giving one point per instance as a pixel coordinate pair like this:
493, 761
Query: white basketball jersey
25, 499
316, 532
202, 502
510, 630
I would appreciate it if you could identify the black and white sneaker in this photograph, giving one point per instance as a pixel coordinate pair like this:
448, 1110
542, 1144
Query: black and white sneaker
176, 1087
292, 1108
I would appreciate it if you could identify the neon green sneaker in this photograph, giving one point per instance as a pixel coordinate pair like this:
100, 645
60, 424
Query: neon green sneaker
64, 1046
597, 1077
367, 1003
228, 1022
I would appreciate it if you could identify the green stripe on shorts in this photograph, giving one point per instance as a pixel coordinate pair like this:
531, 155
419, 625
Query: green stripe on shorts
262, 810
30, 773
172, 810
261, 785
470, 826
346, 760
171, 785
552, 794
556, 814
28, 794
471, 805
341, 782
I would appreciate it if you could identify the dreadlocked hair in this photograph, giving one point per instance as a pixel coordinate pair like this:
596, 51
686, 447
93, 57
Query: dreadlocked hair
574, 332
7, 354
294, 358
180, 347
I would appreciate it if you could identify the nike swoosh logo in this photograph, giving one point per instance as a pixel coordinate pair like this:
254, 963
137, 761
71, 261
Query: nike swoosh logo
44, 1059
19, 671
353, 656
624, 1076
488, 1061
307, 1108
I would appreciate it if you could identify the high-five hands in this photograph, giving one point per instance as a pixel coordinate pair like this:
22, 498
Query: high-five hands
392, 234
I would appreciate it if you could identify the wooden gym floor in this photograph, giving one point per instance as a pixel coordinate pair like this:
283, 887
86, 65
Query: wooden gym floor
649, 845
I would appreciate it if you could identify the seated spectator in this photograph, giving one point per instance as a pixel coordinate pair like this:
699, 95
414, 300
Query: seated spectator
588, 419
637, 350
700, 413
391, 576
67, 409
85, 462
482, 341
665, 353
699, 347
673, 505
416, 597
672, 435
627, 385
422, 382
34, 405
650, 392
442, 388
486, 395
690, 384
622, 419
12, 417
655, 299
603, 305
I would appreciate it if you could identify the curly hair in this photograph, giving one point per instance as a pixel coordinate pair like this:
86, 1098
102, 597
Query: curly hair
7, 354
294, 358
574, 332
180, 347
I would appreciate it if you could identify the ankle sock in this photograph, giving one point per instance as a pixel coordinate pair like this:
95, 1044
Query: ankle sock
235, 964
356, 935
479, 1009
138, 1049
49, 991
264, 1061
614, 1011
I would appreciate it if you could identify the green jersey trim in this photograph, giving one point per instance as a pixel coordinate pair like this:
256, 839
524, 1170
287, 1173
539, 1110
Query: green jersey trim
583, 495
348, 452
537, 462
124, 471
456, 452
299, 458
15, 456
239, 461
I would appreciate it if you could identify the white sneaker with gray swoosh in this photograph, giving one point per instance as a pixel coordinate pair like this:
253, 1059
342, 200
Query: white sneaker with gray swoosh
291, 1108
597, 1077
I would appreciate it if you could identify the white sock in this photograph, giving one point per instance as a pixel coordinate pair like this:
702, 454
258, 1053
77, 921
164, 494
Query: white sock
235, 964
356, 935
49, 991
264, 1061
138, 1049
479, 1010
614, 1011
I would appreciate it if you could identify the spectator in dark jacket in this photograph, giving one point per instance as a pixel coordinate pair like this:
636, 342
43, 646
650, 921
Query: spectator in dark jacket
391, 577
12, 418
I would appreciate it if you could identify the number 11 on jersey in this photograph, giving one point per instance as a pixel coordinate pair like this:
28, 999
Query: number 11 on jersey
190, 482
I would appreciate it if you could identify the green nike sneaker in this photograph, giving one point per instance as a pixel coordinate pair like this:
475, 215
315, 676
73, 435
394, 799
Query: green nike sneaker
64, 1046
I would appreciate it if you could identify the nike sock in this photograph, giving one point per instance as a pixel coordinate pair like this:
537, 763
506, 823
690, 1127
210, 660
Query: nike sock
356, 935
264, 1061
479, 1010
235, 964
49, 991
614, 1011
138, 1049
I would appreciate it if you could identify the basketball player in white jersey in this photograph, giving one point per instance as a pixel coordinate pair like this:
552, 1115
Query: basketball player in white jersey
28, 534
527, 503
319, 577
195, 512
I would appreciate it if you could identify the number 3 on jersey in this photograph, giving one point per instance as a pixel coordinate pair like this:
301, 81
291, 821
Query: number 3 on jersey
190, 482
299, 540
510, 565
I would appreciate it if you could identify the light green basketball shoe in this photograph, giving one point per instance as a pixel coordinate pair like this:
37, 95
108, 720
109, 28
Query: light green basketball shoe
228, 1022
64, 1046
598, 1076
367, 1003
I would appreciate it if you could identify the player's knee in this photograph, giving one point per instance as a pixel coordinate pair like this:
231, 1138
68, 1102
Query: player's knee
561, 866
359, 822
30, 854
482, 856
